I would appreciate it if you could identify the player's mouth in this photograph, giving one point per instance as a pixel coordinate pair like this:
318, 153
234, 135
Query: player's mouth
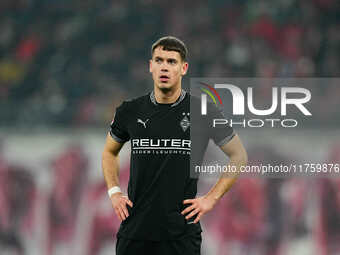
164, 78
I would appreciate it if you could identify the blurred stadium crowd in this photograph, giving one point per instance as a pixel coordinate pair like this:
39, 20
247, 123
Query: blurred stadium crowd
69, 62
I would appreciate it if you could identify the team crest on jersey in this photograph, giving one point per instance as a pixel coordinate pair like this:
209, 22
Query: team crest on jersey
185, 123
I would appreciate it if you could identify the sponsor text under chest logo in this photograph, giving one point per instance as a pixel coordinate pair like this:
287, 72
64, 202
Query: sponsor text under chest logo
161, 146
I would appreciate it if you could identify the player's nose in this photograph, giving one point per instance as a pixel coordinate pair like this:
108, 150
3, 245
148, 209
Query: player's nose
164, 67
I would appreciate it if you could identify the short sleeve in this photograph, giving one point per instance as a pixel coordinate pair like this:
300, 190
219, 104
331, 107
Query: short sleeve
118, 127
220, 134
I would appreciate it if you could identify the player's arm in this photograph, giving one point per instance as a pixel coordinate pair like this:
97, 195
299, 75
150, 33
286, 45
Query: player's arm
201, 205
238, 157
110, 165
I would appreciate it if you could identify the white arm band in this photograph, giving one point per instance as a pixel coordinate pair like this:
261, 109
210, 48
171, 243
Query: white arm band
113, 190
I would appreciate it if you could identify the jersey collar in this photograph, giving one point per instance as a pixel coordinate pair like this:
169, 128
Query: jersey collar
180, 99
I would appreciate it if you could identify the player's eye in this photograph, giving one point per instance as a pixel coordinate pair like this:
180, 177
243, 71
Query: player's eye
158, 60
172, 61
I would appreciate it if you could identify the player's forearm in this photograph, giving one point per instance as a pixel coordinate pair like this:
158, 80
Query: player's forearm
226, 181
110, 165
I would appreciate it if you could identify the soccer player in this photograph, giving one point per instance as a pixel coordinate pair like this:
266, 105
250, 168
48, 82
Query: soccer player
161, 213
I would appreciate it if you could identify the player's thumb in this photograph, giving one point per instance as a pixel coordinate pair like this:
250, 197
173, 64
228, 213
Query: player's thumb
129, 202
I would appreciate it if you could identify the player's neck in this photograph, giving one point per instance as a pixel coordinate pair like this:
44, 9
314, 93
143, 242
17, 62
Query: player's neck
167, 97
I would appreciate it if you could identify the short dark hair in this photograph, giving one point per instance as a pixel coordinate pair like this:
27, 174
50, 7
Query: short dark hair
171, 43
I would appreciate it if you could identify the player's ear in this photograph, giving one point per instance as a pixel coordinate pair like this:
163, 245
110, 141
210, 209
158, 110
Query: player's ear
185, 67
150, 65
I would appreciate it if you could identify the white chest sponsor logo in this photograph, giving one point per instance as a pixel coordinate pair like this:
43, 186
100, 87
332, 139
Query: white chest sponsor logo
161, 143
161, 146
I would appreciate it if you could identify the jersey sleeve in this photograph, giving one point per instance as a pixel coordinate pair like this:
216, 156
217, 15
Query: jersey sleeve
118, 127
220, 134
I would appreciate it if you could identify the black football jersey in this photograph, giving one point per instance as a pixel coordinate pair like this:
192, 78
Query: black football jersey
160, 164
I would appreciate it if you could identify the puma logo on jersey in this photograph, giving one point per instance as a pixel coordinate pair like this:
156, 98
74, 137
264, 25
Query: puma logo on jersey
142, 122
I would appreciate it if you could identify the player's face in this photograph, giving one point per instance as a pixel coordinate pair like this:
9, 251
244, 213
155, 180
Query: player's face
167, 68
